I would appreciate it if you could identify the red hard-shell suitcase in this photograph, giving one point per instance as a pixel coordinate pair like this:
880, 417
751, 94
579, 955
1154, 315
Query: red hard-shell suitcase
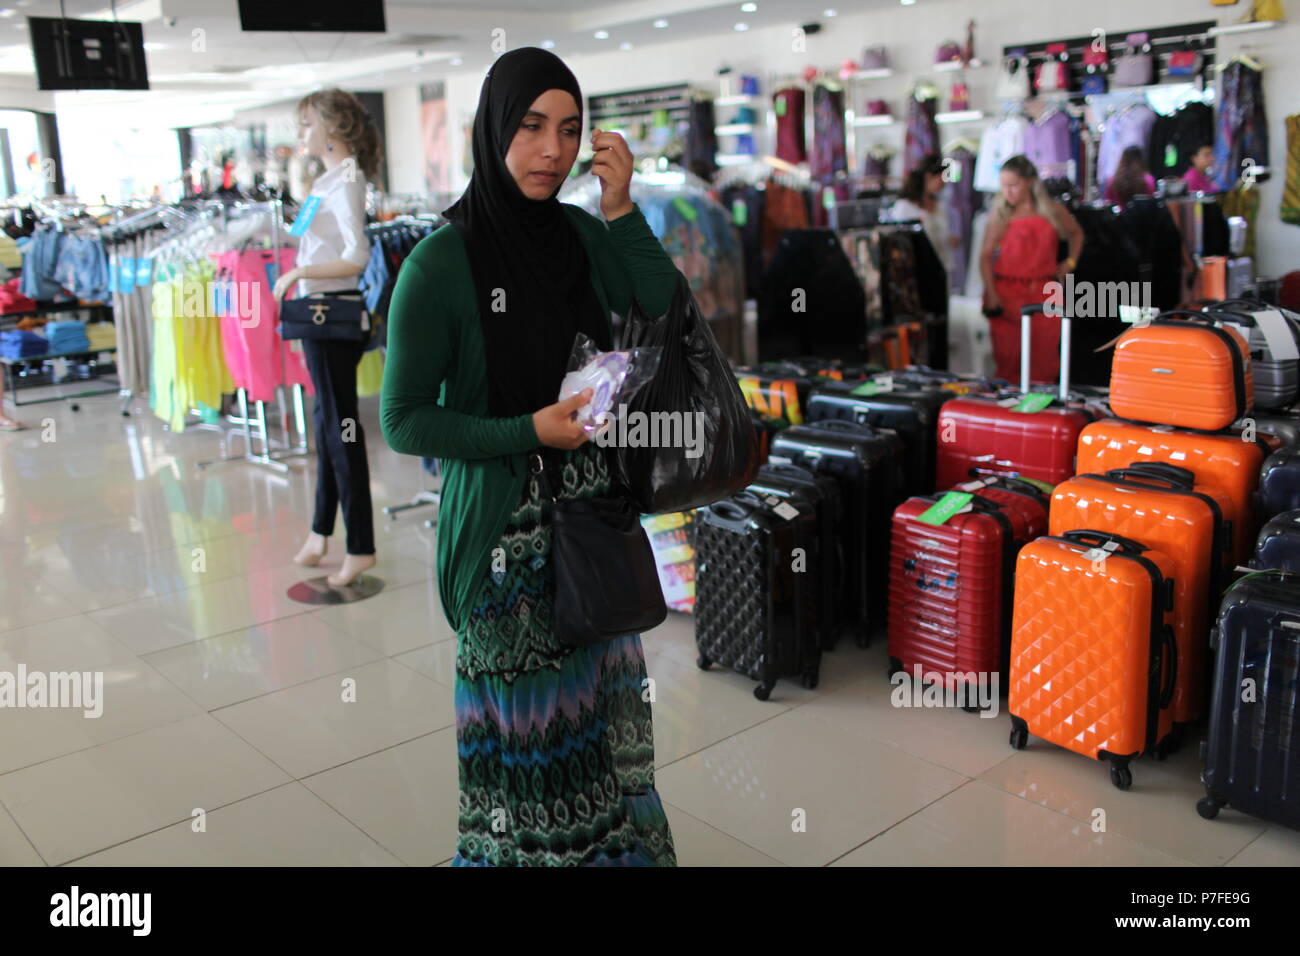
1093, 661
949, 586
1024, 503
987, 434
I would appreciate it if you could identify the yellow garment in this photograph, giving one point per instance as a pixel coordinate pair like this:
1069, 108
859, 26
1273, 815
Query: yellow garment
11, 257
370, 373
189, 368
102, 336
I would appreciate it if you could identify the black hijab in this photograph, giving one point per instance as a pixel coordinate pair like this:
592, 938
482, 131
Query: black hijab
527, 248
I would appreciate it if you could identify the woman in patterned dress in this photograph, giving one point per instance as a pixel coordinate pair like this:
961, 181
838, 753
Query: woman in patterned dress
555, 744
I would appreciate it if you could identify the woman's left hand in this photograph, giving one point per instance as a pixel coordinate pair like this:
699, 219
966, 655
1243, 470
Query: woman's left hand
283, 283
613, 164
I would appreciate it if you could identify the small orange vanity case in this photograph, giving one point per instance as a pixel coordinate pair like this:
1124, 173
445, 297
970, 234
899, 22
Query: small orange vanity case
1093, 660
1182, 370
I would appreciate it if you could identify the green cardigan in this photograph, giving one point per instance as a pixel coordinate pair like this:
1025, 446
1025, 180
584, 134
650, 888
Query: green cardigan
435, 402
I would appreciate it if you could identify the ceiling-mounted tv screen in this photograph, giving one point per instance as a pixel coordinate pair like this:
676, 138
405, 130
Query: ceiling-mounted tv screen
88, 54
321, 16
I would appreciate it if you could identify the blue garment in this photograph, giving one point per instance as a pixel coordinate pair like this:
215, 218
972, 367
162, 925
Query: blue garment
19, 343
375, 277
82, 267
40, 260
67, 336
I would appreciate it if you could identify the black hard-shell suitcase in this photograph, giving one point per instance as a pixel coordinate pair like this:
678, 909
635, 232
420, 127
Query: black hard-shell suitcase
750, 610
912, 413
1254, 731
823, 493
865, 461
1279, 482
1278, 546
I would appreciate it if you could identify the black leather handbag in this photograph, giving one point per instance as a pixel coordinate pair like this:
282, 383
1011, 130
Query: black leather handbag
606, 582
329, 317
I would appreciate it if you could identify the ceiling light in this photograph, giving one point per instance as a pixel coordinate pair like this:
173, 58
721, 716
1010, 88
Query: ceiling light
625, 45
749, 8
830, 13
150, 45
456, 61
742, 27
548, 44
7, 12
907, 3
601, 34
661, 24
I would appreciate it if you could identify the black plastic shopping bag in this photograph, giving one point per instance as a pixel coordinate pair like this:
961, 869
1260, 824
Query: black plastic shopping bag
687, 438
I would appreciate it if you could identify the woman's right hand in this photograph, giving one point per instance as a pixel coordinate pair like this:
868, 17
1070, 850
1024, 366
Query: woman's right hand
992, 301
556, 426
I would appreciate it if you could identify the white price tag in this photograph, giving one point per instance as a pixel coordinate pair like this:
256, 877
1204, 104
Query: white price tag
1277, 333
786, 511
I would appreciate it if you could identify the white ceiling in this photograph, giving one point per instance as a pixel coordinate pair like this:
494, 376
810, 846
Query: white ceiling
202, 65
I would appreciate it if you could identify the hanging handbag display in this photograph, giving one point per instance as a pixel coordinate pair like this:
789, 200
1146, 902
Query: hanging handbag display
1053, 74
334, 317
1096, 60
1137, 66
875, 57
877, 108
959, 98
1184, 63
1013, 77
606, 581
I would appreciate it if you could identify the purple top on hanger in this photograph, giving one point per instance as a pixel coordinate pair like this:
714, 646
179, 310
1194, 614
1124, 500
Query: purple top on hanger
1130, 127
1047, 144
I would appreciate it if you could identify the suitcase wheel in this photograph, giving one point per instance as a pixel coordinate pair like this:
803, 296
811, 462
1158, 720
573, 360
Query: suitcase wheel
1019, 737
763, 691
703, 663
895, 667
810, 680
1208, 807
1121, 777
1164, 748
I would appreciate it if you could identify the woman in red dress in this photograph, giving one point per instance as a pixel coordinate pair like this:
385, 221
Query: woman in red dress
1019, 258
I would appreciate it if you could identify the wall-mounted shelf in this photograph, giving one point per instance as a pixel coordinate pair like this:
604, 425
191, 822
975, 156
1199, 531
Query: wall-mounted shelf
959, 116
879, 74
952, 65
874, 120
1243, 27
734, 129
740, 99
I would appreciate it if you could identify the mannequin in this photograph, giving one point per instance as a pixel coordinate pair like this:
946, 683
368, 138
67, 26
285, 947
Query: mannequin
334, 128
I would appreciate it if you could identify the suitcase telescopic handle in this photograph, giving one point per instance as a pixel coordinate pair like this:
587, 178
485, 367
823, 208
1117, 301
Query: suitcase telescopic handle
1027, 314
731, 510
1171, 656
1156, 471
1009, 481
1098, 538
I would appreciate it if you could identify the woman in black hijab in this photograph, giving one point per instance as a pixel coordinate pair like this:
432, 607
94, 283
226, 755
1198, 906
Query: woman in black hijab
555, 744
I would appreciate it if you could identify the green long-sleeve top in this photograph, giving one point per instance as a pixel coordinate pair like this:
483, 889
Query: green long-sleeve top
435, 396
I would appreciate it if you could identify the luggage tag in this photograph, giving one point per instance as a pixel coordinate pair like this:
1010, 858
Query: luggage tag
1033, 402
952, 503
1138, 316
881, 383
1098, 555
976, 485
781, 508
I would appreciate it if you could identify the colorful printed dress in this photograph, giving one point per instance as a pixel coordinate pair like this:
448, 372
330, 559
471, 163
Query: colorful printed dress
555, 745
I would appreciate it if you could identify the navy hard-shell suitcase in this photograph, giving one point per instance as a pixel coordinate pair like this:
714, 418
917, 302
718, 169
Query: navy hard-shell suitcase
828, 504
1254, 732
1278, 546
864, 461
1279, 482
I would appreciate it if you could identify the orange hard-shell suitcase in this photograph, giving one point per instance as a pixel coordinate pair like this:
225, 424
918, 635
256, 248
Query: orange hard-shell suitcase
773, 397
1182, 370
1156, 504
1093, 660
1223, 461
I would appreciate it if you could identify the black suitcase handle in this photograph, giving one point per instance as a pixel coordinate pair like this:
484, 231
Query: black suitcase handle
1098, 538
783, 470
731, 510
1170, 654
1011, 483
1172, 475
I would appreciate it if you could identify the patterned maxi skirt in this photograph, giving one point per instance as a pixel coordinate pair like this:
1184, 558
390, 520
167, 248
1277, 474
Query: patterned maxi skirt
555, 745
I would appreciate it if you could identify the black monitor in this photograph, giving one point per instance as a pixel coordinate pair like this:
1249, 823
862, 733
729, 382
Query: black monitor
88, 54
320, 16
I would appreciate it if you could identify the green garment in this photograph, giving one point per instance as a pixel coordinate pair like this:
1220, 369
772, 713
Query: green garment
435, 398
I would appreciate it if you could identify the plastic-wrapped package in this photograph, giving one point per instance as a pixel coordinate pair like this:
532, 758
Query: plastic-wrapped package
613, 377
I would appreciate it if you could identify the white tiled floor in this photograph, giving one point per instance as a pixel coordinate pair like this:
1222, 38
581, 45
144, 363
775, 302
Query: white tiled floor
230, 736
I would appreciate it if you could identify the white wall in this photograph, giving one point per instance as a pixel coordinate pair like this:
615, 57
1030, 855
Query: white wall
912, 34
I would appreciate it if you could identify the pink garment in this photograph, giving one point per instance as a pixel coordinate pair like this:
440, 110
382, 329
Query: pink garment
250, 338
1198, 182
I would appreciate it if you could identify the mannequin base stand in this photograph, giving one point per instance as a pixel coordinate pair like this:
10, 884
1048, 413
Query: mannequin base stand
320, 591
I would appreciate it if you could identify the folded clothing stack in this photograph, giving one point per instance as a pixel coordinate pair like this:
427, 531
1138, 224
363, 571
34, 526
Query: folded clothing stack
17, 343
102, 336
67, 336
10, 255
12, 299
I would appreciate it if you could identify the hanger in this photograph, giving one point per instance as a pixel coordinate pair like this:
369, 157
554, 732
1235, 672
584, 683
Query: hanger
961, 142
1244, 57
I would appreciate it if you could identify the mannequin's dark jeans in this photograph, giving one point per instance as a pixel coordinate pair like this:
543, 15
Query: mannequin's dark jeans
342, 471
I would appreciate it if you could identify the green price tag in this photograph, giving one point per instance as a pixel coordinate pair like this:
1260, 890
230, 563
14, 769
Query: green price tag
739, 213
866, 388
780, 105
1033, 403
828, 197
1171, 156
945, 507
683, 206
